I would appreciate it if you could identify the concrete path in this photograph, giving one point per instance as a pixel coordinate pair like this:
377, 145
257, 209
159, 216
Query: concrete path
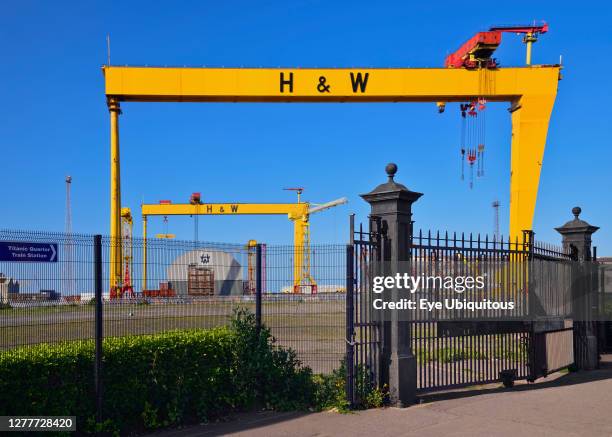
578, 404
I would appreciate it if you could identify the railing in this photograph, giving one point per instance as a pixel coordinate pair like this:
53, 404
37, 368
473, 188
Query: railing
456, 348
363, 333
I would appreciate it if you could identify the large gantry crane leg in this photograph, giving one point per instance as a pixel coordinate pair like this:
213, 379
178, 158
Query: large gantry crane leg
116, 257
530, 118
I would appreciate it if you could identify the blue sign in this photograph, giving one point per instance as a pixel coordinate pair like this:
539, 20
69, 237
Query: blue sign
24, 251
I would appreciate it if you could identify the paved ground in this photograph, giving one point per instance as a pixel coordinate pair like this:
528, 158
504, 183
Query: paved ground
578, 404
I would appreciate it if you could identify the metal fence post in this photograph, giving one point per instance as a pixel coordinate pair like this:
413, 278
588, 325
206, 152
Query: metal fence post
258, 287
99, 320
350, 328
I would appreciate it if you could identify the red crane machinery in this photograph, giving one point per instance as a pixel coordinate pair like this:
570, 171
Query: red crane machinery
195, 199
476, 52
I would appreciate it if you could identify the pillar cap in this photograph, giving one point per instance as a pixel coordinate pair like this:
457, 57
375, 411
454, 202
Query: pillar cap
576, 226
391, 188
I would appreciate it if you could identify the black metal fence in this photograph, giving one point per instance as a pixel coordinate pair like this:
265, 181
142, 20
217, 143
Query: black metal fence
363, 333
452, 351
604, 287
171, 284
454, 347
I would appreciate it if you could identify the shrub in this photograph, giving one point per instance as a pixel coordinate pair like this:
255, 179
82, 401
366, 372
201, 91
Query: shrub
331, 390
171, 378
177, 375
156, 380
267, 375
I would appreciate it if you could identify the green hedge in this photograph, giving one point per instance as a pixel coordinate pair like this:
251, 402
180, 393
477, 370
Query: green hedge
158, 380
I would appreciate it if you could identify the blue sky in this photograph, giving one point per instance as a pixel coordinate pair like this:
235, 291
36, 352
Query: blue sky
55, 120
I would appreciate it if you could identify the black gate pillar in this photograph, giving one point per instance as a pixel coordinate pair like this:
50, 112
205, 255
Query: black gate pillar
392, 202
577, 240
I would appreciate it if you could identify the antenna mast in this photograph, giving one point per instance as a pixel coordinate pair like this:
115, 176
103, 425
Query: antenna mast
495, 206
68, 245
108, 48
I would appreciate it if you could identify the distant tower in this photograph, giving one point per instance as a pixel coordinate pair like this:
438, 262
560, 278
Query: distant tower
495, 206
68, 227
68, 243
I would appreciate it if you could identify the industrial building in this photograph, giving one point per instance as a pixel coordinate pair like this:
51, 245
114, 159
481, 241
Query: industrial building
10, 292
204, 272
8, 286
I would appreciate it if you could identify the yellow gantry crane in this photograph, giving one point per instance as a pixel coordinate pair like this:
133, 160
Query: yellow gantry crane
531, 91
299, 213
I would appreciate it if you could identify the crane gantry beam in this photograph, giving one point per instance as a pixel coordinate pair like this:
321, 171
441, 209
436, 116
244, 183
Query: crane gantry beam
168, 84
531, 92
292, 210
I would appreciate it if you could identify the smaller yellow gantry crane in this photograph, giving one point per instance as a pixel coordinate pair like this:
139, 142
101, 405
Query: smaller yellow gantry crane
299, 213
251, 248
127, 251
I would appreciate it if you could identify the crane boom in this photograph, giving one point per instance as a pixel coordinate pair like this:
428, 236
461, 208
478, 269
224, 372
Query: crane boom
521, 28
328, 205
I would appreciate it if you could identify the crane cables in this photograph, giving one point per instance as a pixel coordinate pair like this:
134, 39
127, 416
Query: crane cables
473, 125
472, 135
481, 135
463, 108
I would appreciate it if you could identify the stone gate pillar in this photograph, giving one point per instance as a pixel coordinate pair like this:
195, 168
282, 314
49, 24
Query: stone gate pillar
577, 236
392, 202
577, 240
